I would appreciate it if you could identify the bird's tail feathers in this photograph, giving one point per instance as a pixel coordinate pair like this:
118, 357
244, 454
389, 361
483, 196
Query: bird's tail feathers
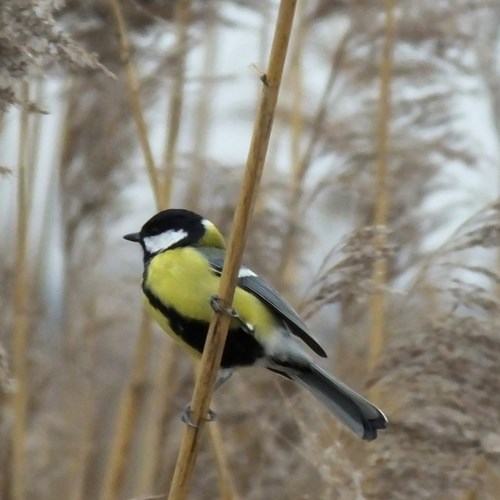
361, 416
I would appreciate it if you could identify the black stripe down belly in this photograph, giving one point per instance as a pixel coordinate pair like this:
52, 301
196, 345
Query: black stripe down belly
241, 349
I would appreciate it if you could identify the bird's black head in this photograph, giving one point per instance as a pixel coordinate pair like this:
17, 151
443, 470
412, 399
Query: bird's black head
174, 228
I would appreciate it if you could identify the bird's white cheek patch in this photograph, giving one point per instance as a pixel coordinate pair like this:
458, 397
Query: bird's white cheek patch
164, 241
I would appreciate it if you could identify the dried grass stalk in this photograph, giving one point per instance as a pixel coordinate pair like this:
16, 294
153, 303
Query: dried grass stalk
212, 354
377, 303
161, 397
182, 17
301, 166
135, 100
127, 413
203, 114
21, 314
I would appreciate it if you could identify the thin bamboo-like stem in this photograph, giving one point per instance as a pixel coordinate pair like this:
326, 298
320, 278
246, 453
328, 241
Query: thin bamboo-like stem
72, 408
21, 315
127, 413
47, 222
87, 405
214, 345
203, 113
297, 85
135, 99
160, 397
164, 385
301, 166
320, 116
264, 44
34, 137
227, 489
296, 130
182, 16
265, 33
377, 302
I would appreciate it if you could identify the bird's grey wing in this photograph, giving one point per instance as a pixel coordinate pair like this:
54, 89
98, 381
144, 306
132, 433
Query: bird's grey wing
255, 285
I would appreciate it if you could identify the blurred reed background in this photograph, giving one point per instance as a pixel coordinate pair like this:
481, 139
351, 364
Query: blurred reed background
378, 218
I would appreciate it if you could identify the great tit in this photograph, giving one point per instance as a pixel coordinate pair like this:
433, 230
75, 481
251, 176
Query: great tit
183, 259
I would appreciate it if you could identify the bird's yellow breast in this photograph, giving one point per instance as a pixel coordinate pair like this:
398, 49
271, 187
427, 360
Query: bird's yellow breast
182, 279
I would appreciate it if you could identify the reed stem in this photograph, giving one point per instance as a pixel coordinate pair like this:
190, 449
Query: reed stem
214, 345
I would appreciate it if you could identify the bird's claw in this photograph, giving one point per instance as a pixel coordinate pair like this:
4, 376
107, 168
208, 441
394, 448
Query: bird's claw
218, 305
186, 417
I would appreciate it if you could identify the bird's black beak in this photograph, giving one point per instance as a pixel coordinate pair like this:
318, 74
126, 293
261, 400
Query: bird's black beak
135, 237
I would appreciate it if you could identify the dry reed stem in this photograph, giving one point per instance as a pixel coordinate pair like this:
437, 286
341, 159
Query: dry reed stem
265, 32
203, 114
182, 16
297, 84
159, 397
227, 489
87, 406
301, 166
65, 145
74, 411
155, 426
323, 108
162, 192
18, 480
135, 99
212, 353
127, 413
377, 302
285, 271
34, 139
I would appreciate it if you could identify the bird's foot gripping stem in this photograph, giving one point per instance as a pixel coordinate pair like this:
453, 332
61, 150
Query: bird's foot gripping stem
218, 305
186, 417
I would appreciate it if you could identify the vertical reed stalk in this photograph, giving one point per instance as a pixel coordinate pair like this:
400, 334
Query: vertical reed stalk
203, 113
71, 407
164, 386
227, 489
34, 140
159, 397
297, 86
301, 166
128, 411
63, 147
285, 271
377, 303
21, 301
87, 405
182, 16
265, 34
135, 99
212, 354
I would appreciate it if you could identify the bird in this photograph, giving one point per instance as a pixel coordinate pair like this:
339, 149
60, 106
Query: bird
183, 256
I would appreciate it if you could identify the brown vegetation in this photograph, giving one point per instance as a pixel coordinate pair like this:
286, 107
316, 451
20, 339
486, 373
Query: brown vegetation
90, 393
